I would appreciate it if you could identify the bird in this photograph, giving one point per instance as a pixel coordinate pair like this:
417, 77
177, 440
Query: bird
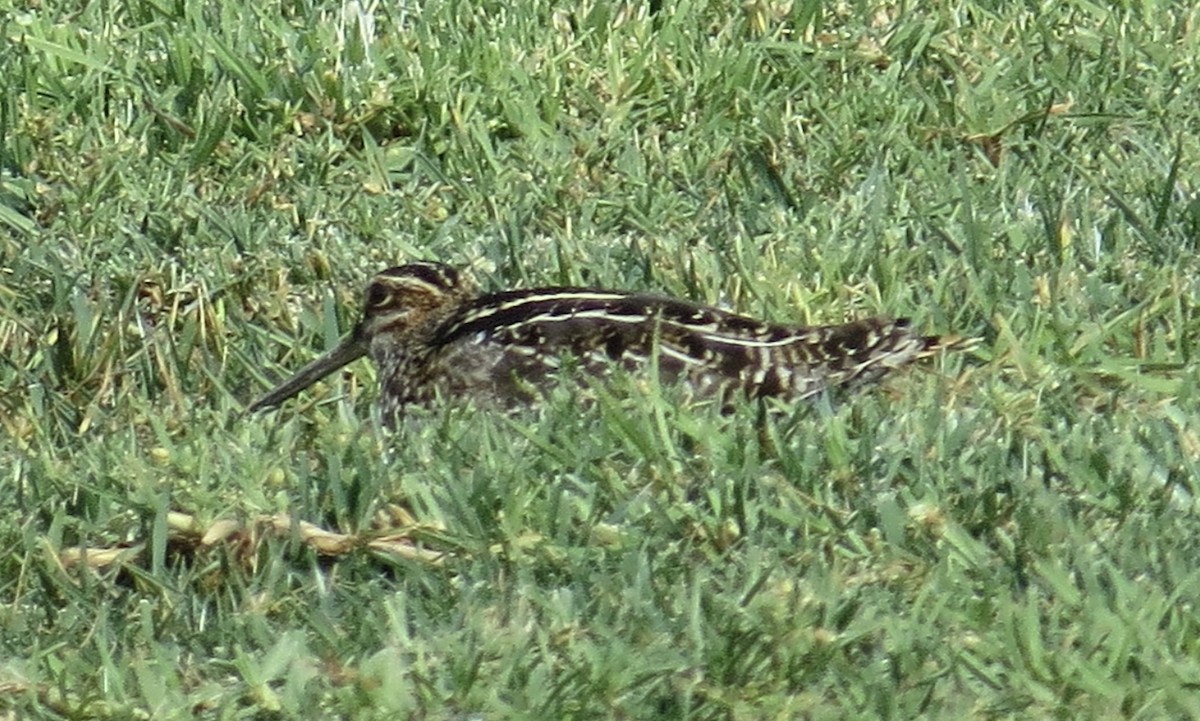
433, 336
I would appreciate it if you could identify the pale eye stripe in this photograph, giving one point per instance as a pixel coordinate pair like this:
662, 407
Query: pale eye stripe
415, 284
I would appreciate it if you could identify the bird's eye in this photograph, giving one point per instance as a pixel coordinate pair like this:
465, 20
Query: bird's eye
377, 296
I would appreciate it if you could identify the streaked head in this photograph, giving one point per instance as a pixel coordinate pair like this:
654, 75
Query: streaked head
409, 302
403, 307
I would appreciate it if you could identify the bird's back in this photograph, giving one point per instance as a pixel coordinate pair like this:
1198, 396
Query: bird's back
509, 346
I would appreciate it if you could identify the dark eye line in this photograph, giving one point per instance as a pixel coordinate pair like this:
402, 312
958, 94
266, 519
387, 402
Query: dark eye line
377, 296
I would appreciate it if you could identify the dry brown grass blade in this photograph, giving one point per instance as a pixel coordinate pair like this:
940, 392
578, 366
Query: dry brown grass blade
187, 535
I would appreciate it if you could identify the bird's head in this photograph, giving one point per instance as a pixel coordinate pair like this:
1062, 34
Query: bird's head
403, 308
407, 304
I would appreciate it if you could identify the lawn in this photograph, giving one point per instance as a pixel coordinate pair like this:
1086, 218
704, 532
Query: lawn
193, 195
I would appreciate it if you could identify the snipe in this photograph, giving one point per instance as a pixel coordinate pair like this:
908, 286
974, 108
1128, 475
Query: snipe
432, 335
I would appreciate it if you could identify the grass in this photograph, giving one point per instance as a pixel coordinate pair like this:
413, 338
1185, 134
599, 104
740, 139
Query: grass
192, 195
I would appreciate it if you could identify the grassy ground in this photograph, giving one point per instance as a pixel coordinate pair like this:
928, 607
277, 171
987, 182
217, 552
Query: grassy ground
193, 193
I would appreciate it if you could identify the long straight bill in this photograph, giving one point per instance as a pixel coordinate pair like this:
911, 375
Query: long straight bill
350, 349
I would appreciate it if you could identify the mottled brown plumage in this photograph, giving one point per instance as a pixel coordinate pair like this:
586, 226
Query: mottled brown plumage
431, 335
